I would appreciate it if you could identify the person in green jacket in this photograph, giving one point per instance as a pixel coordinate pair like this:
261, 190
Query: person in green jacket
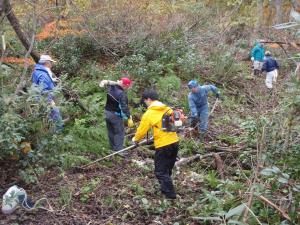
257, 57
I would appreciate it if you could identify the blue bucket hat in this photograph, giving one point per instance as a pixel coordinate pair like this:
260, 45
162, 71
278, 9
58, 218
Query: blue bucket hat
192, 84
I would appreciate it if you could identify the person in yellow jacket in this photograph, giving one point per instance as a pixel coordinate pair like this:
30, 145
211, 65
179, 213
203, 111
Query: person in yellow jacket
166, 143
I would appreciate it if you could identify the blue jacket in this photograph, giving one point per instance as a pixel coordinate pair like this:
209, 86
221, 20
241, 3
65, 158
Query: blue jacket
198, 101
270, 64
41, 77
258, 52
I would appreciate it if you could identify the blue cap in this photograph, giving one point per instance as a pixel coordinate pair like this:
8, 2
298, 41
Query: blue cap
192, 84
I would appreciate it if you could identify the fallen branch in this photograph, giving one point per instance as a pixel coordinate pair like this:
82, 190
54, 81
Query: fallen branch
193, 158
73, 97
282, 212
219, 165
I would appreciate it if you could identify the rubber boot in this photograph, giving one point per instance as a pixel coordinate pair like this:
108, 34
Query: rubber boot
201, 137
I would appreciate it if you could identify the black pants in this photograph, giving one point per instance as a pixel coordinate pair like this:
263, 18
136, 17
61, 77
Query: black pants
164, 161
115, 130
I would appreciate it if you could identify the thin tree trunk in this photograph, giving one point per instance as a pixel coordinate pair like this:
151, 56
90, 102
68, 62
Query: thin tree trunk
278, 6
259, 7
6, 7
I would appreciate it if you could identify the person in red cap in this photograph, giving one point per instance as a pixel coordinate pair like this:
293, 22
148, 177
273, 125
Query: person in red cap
116, 111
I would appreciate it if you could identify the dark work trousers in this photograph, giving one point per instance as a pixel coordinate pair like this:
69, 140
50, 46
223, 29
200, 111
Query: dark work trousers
115, 130
164, 161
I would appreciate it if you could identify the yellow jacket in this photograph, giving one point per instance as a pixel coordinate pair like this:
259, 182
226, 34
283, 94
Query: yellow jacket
152, 118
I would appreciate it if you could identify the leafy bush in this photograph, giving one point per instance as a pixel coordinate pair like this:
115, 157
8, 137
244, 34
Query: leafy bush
155, 58
13, 130
72, 52
168, 89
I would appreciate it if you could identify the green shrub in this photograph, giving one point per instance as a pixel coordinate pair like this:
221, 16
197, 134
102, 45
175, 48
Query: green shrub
168, 89
72, 52
13, 130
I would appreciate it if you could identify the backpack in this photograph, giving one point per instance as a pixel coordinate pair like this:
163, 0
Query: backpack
173, 122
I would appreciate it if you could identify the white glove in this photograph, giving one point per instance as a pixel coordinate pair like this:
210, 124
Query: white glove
103, 83
252, 58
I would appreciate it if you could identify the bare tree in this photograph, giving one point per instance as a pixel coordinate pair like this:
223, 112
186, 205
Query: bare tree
6, 8
278, 6
260, 12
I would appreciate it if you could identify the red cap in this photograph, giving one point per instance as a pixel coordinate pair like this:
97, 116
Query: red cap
126, 81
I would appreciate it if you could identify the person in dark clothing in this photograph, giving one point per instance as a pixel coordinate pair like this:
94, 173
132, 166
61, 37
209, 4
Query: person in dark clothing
165, 143
116, 111
271, 67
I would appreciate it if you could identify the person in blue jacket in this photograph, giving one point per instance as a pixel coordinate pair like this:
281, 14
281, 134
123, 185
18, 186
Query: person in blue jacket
43, 78
257, 56
271, 67
198, 104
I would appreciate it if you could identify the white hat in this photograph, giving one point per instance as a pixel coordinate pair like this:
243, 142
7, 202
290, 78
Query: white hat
45, 58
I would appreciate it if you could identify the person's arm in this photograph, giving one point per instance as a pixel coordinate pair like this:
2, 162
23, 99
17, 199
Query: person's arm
123, 101
192, 106
213, 89
142, 129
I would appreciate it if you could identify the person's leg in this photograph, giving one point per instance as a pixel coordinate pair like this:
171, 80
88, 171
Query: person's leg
110, 133
255, 67
115, 130
203, 122
56, 118
119, 133
260, 65
161, 170
275, 75
172, 156
269, 80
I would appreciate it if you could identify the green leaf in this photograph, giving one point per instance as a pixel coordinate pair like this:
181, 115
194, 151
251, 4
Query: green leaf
145, 201
283, 180
270, 171
235, 211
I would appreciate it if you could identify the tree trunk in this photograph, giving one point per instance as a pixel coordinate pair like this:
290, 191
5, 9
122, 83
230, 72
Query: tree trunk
13, 20
278, 6
259, 12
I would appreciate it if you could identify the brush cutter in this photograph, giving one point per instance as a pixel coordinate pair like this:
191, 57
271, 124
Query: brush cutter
118, 152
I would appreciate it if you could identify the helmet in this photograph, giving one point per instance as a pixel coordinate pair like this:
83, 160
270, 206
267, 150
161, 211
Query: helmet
192, 84
268, 53
126, 81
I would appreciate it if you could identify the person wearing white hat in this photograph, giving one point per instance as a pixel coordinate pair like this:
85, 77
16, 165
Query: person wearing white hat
271, 67
43, 78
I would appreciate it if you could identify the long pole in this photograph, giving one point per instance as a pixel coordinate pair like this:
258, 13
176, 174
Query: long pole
115, 153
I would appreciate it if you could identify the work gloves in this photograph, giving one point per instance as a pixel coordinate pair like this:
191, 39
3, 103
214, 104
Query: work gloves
104, 83
134, 142
130, 122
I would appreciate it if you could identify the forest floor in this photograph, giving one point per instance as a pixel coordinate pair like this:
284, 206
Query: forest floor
118, 191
